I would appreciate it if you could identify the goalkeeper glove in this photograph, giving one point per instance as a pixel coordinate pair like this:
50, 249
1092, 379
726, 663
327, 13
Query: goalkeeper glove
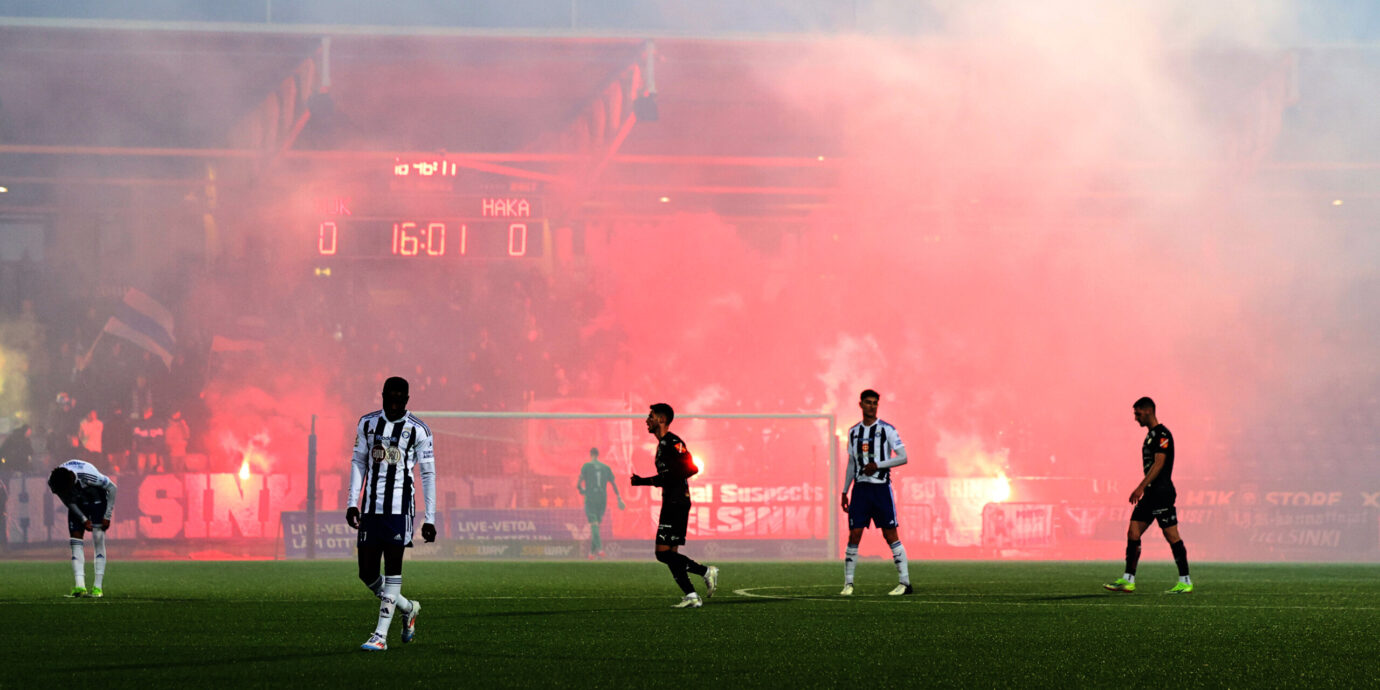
352, 516
428, 532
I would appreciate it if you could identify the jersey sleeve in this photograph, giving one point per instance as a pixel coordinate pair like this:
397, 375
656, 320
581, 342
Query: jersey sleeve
357, 462
898, 448
852, 471
426, 463
1163, 443
110, 490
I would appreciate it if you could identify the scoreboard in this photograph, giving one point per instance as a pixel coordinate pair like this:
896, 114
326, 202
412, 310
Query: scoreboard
427, 217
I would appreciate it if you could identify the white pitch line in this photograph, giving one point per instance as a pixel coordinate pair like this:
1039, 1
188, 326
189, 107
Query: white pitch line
748, 592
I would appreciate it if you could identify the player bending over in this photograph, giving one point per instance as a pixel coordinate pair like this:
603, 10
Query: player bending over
90, 500
874, 447
674, 467
391, 448
1154, 500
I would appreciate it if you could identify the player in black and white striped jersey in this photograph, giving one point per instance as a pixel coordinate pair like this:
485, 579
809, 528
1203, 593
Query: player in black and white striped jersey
874, 447
90, 500
392, 448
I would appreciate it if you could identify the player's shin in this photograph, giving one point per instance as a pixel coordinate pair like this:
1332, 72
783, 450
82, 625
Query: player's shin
1132, 558
676, 563
850, 563
98, 544
78, 562
898, 556
392, 587
1180, 559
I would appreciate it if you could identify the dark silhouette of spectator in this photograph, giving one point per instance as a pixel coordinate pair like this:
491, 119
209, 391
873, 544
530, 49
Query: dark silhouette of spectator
119, 435
16, 453
149, 443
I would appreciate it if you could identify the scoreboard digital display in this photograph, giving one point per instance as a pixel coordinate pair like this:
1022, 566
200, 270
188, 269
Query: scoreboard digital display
432, 227
434, 238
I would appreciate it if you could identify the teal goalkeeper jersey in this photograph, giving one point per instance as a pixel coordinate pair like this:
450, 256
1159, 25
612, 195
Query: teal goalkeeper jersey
596, 475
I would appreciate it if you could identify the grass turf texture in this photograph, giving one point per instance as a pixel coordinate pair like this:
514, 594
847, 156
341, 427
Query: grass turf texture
190, 624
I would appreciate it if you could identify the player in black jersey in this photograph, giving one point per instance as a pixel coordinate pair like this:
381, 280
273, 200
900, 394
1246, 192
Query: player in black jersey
674, 467
1154, 500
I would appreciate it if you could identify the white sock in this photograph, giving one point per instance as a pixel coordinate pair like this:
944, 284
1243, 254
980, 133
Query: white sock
898, 554
850, 563
1128, 577
1184, 579
98, 544
386, 608
78, 562
692, 595
393, 585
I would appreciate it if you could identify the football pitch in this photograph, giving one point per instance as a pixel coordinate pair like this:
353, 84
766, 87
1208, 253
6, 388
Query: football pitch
538, 624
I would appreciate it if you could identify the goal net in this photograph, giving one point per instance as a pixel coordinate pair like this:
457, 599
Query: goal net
508, 484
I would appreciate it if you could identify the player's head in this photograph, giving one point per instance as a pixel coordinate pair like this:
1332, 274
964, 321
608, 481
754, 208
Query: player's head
593, 453
61, 480
867, 402
659, 417
1145, 411
394, 398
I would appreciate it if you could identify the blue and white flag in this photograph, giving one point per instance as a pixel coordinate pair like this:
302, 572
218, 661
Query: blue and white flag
141, 320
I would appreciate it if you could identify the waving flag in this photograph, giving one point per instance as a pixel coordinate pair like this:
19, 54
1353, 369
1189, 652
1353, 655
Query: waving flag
141, 320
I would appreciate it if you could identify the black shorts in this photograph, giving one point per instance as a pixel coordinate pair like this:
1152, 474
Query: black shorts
95, 512
381, 531
1158, 507
671, 525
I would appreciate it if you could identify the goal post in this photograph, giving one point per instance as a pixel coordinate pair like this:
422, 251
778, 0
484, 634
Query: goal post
507, 483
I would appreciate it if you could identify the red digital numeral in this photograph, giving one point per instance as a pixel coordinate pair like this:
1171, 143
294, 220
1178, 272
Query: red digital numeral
517, 239
405, 244
435, 239
464, 234
326, 238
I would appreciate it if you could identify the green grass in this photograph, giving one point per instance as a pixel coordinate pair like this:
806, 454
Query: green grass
1011, 624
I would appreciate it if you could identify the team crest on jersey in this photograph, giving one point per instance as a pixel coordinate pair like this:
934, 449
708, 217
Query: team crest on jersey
867, 447
680, 447
1164, 442
391, 454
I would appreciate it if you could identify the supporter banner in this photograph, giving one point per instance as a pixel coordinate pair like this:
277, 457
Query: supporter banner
1017, 525
172, 506
334, 537
554, 524
729, 510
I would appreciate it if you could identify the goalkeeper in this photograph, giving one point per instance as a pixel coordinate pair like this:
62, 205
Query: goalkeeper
595, 478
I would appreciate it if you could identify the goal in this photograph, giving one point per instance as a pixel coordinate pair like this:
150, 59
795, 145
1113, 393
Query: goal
507, 483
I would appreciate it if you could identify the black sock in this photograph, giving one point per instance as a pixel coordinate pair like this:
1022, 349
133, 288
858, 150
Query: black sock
692, 566
676, 563
1180, 557
1132, 555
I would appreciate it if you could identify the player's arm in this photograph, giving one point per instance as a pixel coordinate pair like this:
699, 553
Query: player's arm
614, 484
426, 462
110, 491
357, 465
580, 483
1155, 467
849, 474
898, 449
